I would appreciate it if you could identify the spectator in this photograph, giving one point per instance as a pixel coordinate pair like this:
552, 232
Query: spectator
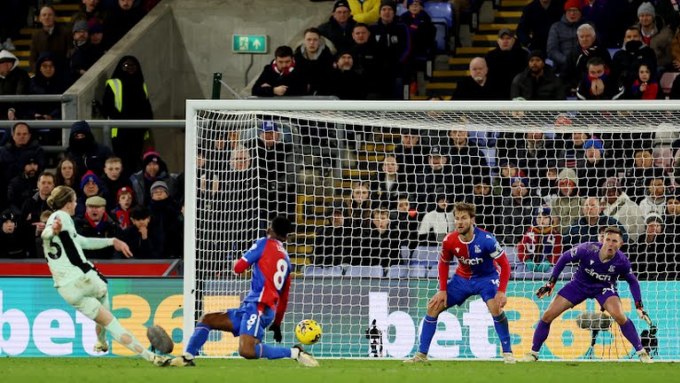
153, 169
120, 20
632, 54
652, 257
380, 243
517, 211
49, 38
344, 81
562, 38
24, 185
586, 49
598, 84
541, 245
656, 35
410, 158
140, 236
12, 243
333, 241
618, 205
48, 79
669, 11
126, 97
645, 86
537, 81
272, 155
85, 151
655, 199
95, 223
478, 86
535, 22
587, 228
506, 61
33, 208
672, 221
90, 11
338, 28
394, 50
565, 208
82, 54
593, 167
66, 173
436, 179
437, 223
422, 35
97, 47
314, 60
467, 162
503, 183
574, 148
90, 186
358, 210
366, 11
14, 155
281, 77
166, 219
125, 198
608, 17
406, 221
486, 204
387, 185
13, 81
366, 58
637, 175
113, 180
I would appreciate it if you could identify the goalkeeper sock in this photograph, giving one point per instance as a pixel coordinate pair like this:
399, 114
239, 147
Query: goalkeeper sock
198, 338
540, 335
124, 337
429, 327
629, 331
501, 324
271, 352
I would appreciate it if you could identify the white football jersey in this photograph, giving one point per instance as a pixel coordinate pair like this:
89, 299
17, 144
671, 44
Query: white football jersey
64, 252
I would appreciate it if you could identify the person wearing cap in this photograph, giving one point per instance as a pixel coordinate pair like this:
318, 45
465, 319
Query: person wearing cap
467, 161
365, 11
166, 220
13, 81
535, 22
562, 38
313, 58
272, 153
125, 200
587, 47
478, 85
394, 46
153, 169
593, 167
85, 151
338, 28
81, 56
656, 35
566, 206
506, 61
51, 37
90, 11
345, 82
96, 223
617, 204
280, 77
538, 81
12, 240
653, 257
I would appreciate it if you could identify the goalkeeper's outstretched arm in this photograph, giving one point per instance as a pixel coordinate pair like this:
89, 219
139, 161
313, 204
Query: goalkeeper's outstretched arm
568, 256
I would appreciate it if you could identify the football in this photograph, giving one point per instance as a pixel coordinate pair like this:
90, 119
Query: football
308, 331
159, 339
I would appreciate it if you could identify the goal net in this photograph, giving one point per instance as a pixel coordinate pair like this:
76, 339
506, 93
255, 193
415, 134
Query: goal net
370, 187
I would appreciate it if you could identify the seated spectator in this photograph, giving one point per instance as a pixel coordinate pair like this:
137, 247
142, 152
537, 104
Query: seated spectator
406, 219
410, 158
393, 45
517, 211
655, 198
537, 81
333, 244
618, 205
562, 38
48, 79
537, 154
120, 20
380, 243
140, 236
486, 204
503, 182
478, 86
645, 86
33, 208
166, 219
541, 245
598, 84
593, 167
466, 161
24, 185
587, 48
436, 223
90, 186
95, 223
652, 257
436, 179
366, 11
15, 153
338, 28
588, 226
344, 81
272, 157
387, 185
636, 176
358, 208
153, 169
66, 173
113, 180
12, 242
632, 54
656, 35
281, 77
97, 47
314, 60
85, 151
506, 61
535, 22
566, 207
13, 81
121, 212
90, 11
82, 55
49, 38
367, 59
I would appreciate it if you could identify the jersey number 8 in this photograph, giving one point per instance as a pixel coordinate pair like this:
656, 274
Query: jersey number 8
280, 274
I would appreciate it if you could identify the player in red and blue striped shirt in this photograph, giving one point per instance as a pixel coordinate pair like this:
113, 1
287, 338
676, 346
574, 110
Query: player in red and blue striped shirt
263, 307
478, 254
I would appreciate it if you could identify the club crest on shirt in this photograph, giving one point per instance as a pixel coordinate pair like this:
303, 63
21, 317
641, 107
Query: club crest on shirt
612, 268
477, 249
591, 261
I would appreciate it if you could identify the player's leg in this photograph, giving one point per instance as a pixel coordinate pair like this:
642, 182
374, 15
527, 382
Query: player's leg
488, 290
102, 345
221, 321
612, 304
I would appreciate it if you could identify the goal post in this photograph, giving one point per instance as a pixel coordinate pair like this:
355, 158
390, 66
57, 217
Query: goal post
369, 186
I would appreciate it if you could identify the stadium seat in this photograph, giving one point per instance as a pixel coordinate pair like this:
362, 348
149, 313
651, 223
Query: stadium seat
612, 51
364, 271
442, 18
417, 271
398, 272
323, 271
666, 82
405, 253
425, 255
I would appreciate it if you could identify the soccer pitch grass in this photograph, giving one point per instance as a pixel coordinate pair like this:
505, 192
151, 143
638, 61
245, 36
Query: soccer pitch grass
130, 370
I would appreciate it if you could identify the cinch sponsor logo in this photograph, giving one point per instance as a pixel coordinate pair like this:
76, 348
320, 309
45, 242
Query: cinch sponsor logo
597, 275
470, 261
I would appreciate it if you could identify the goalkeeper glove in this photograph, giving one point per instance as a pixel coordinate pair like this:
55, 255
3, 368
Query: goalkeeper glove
641, 312
276, 329
547, 289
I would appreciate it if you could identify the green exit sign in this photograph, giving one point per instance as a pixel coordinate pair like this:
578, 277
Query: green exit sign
249, 43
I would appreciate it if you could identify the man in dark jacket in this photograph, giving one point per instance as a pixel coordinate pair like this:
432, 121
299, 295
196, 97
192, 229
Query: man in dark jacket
314, 60
537, 18
477, 86
142, 238
281, 77
506, 61
338, 28
13, 81
538, 81
85, 151
394, 49
628, 59
97, 224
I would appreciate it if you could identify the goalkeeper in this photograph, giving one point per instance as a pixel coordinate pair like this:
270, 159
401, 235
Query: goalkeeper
600, 264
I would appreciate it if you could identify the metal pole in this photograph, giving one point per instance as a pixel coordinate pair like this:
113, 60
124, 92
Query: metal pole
216, 86
245, 78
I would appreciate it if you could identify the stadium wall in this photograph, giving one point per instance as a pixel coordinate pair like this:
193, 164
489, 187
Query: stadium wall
35, 320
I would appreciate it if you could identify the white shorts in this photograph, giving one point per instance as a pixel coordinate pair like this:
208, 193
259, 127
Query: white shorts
86, 293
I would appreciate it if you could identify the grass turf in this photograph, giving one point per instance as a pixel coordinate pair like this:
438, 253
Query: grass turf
129, 370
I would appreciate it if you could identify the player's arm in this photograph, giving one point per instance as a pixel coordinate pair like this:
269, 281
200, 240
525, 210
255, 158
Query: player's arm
636, 292
571, 255
280, 311
91, 243
251, 256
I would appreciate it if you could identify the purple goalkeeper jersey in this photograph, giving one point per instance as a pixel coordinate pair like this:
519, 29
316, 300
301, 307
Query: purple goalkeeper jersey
592, 273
